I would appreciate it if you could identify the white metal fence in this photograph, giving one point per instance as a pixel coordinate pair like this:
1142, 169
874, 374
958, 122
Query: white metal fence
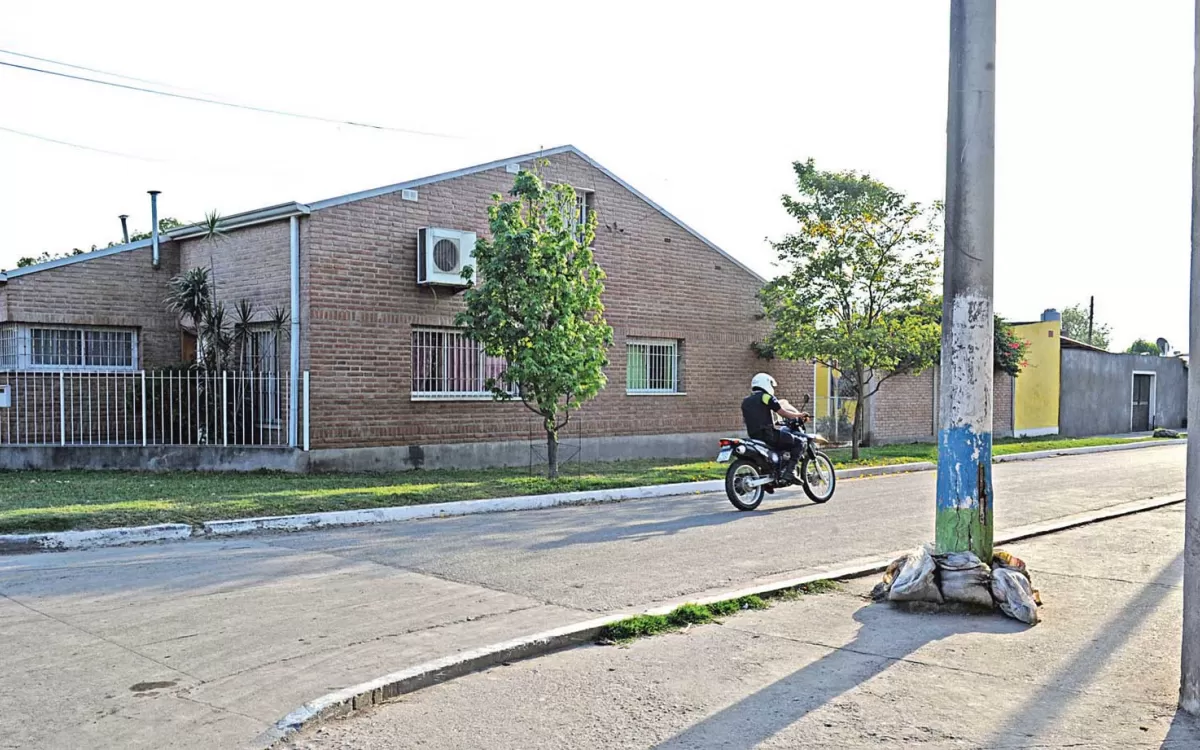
132, 408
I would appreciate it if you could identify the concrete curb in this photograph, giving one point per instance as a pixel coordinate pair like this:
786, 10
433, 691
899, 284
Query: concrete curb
367, 694
65, 540
1037, 455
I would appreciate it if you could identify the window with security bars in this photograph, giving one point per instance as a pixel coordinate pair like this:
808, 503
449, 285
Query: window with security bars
9, 358
652, 367
447, 364
73, 348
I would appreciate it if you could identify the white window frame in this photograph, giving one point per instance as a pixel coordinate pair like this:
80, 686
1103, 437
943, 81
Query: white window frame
1153, 395
22, 340
675, 388
448, 336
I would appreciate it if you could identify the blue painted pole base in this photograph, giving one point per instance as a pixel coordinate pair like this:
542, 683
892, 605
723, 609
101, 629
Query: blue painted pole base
964, 492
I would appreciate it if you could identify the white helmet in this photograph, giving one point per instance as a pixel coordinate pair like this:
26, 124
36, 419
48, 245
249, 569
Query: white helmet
764, 382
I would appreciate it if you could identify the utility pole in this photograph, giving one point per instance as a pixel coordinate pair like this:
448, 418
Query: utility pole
1189, 688
1091, 317
964, 481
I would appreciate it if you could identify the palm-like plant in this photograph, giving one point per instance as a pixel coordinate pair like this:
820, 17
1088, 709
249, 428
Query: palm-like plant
243, 330
189, 296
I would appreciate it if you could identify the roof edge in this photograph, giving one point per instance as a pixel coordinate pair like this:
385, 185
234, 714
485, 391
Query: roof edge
243, 219
236, 221
408, 185
72, 259
568, 148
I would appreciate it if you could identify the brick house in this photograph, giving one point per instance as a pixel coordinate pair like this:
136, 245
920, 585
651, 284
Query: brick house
390, 383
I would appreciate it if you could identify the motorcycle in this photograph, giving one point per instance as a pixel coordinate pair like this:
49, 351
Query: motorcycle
758, 469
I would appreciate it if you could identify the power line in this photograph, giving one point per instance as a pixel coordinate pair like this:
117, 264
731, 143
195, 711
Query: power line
97, 70
35, 136
222, 103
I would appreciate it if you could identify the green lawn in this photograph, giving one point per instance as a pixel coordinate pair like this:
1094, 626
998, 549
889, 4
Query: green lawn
55, 501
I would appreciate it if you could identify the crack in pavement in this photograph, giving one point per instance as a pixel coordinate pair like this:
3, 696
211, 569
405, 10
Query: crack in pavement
99, 637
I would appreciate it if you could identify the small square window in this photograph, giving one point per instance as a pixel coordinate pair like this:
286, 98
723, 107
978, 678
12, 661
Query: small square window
652, 367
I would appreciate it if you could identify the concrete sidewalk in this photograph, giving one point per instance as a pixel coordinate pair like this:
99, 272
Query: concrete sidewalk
836, 671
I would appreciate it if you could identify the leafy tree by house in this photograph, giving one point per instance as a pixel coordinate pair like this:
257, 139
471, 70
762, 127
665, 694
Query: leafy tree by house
165, 224
1075, 326
1142, 346
1009, 351
46, 257
858, 268
537, 304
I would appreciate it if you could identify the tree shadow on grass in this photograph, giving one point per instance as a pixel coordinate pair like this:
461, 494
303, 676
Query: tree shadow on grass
882, 639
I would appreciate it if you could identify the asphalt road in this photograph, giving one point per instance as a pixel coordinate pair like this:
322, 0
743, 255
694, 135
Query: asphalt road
205, 644
607, 557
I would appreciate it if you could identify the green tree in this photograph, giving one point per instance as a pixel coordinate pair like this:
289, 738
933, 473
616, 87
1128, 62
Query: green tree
1008, 349
859, 267
537, 304
165, 224
1142, 346
46, 257
1075, 326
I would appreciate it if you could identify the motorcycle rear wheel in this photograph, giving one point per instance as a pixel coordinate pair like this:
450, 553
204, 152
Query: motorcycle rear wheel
743, 497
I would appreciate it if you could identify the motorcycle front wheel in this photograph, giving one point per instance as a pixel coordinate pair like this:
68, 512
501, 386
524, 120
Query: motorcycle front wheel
818, 477
737, 488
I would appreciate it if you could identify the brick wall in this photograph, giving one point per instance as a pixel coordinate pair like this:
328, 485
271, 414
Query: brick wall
904, 408
359, 270
122, 290
253, 263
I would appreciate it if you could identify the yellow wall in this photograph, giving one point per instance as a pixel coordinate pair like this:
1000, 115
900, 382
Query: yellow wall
1035, 400
825, 381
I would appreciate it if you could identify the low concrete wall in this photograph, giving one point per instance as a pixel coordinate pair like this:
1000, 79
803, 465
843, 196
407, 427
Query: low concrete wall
1097, 391
155, 458
397, 458
514, 453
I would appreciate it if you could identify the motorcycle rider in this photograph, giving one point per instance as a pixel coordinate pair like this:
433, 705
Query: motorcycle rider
757, 411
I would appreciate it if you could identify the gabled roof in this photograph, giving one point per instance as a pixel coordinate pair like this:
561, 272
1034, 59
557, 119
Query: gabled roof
568, 149
284, 210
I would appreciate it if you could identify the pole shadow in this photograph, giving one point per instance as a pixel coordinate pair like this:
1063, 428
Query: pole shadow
877, 645
1048, 704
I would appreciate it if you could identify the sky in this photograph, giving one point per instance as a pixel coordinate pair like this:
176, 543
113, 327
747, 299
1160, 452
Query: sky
702, 106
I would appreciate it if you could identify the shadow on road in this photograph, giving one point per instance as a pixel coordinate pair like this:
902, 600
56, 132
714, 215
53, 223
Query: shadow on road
1055, 697
877, 645
663, 527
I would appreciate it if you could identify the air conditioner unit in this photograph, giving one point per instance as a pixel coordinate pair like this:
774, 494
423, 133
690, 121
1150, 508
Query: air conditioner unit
442, 254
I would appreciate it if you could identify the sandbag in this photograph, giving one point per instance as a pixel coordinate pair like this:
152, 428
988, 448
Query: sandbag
965, 579
880, 591
1016, 596
1002, 559
916, 581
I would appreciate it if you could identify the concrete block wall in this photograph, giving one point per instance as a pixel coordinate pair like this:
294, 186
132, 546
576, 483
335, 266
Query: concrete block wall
1097, 391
